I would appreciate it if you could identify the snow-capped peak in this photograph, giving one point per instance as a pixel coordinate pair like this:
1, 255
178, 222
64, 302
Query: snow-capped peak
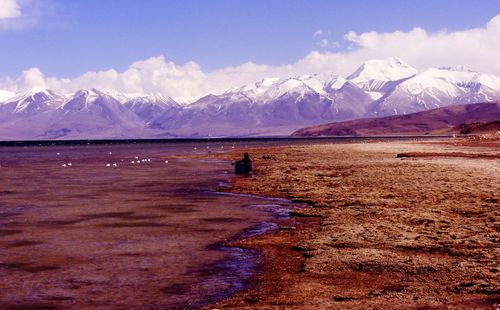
334, 83
34, 100
460, 68
450, 81
86, 97
314, 82
6, 95
253, 90
267, 82
157, 99
88, 93
35, 93
286, 86
373, 74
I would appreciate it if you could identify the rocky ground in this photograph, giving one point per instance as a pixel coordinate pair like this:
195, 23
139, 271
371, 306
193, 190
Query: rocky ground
417, 232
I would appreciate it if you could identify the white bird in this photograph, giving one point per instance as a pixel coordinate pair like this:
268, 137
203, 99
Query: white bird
58, 153
166, 161
108, 165
114, 165
70, 164
64, 165
149, 159
137, 157
132, 162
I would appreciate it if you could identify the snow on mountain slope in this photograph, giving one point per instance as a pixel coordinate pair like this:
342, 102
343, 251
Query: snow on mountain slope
34, 101
86, 114
5, 95
349, 102
334, 83
435, 88
374, 75
148, 108
254, 90
287, 86
93, 105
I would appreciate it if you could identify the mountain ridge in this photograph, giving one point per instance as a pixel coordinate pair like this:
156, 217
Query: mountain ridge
378, 88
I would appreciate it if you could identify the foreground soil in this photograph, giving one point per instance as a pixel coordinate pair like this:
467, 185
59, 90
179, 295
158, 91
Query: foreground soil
415, 232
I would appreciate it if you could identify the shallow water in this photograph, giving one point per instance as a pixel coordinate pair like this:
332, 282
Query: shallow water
104, 232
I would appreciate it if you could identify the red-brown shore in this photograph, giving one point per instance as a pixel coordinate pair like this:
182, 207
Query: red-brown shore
384, 232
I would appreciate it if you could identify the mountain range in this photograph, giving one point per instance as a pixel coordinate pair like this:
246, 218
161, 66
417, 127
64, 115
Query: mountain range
273, 106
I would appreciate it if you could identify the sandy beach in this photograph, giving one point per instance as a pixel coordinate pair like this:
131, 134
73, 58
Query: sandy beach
419, 231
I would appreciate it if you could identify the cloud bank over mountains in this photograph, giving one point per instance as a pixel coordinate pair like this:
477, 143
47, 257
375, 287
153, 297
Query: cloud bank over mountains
475, 48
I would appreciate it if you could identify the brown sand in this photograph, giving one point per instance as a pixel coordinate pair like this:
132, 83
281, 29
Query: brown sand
390, 233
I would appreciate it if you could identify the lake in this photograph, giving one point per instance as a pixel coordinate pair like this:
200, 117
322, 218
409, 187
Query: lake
123, 226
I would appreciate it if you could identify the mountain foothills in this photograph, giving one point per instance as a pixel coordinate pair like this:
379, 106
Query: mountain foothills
456, 119
273, 106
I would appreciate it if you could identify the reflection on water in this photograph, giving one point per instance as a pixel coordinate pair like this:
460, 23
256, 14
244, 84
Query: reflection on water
121, 226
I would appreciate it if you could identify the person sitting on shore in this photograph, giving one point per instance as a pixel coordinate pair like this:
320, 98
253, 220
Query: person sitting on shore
243, 166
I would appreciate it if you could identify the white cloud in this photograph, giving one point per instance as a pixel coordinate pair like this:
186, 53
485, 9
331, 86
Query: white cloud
9, 9
323, 43
476, 48
32, 78
22, 14
317, 33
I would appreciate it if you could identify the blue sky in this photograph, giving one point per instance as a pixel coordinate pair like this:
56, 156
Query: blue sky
71, 37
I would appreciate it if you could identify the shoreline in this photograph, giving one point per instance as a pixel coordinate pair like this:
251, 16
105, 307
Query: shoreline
382, 282
71, 142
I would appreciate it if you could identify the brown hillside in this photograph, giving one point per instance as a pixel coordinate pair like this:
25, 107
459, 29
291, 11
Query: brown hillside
447, 120
481, 127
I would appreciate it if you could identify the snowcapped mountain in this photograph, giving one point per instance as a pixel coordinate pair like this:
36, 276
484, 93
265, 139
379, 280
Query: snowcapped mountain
86, 114
436, 88
31, 102
268, 107
379, 75
150, 107
89, 110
